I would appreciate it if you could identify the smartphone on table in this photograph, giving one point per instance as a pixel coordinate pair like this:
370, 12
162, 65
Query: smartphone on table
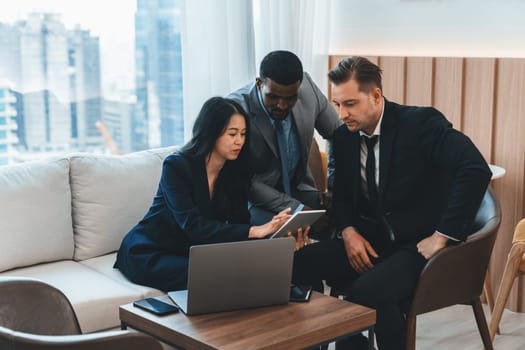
155, 306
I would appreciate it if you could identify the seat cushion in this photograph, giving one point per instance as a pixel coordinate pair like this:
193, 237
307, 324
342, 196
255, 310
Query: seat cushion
104, 265
110, 194
35, 202
162, 152
95, 297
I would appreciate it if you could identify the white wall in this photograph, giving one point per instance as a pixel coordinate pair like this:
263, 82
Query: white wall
428, 27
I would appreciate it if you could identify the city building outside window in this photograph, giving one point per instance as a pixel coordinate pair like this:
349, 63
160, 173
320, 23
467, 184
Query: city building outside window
75, 74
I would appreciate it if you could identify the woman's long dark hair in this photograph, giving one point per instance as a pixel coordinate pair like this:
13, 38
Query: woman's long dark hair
230, 199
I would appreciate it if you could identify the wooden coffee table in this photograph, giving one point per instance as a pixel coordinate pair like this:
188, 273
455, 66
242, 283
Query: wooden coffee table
290, 326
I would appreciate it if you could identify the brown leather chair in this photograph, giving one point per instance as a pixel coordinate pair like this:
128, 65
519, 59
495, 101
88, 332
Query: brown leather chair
37, 316
118, 340
455, 275
514, 267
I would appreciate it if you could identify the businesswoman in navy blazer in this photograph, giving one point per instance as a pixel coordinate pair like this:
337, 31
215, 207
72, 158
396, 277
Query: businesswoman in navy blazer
201, 199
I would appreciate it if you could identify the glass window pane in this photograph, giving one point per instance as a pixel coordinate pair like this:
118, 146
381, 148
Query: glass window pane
77, 78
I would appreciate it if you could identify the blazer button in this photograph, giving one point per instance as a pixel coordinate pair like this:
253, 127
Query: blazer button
388, 213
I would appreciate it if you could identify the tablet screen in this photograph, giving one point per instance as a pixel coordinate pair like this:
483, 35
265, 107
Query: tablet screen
299, 219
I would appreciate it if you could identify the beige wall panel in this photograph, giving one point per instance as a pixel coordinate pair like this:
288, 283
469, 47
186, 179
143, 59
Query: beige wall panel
393, 78
419, 78
448, 88
508, 152
478, 108
334, 60
373, 59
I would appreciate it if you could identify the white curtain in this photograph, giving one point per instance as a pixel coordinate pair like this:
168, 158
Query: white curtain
223, 42
218, 54
300, 26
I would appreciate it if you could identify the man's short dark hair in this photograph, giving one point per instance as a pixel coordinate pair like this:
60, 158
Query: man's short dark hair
283, 67
364, 72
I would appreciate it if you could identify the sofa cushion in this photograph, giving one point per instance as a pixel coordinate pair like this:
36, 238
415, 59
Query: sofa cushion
162, 152
95, 297
104, 265
35, 202
110, 194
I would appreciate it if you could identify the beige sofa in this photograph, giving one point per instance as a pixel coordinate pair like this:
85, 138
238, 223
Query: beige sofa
62, 219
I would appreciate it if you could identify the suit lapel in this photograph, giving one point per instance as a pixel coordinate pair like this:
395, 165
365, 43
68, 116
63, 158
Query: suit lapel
200, 186
301, 128
351, 160
260, 121
388, 133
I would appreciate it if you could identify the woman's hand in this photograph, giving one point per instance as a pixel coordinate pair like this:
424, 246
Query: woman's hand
301, 237
271, 226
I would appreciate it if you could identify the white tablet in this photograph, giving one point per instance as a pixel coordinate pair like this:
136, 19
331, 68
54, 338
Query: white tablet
299, 219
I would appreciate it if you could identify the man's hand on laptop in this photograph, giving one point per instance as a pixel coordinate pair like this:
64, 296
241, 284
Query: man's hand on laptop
271, 226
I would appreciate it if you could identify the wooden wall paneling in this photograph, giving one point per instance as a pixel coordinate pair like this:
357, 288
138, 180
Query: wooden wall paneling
334, 60
394, 76
508, 152
419, 78
478, 107
448, 88
373, 59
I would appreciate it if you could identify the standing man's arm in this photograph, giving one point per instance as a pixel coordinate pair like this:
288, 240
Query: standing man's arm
325, 123
268, 197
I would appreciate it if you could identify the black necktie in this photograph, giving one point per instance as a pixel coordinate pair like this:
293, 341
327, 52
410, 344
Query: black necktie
371, 170
283, 154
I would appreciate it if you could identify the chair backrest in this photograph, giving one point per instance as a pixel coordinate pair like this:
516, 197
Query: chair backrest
317, 162
32, 306
519, 232
118, 340
456, 273
519, 238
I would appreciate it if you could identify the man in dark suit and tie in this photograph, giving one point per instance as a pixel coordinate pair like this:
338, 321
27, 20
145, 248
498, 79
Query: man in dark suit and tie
284, 106
406, 185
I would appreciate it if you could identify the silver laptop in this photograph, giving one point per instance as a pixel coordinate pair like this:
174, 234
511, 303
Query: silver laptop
238, 275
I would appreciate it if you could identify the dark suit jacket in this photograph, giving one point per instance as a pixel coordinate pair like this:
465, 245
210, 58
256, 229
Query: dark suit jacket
181, 215
312, 111
431, 177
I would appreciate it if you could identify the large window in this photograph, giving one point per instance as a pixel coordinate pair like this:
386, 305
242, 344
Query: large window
75, 74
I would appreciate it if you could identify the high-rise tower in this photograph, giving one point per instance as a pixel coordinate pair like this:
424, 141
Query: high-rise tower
44, 82
8, 125
85, 88
158, 64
